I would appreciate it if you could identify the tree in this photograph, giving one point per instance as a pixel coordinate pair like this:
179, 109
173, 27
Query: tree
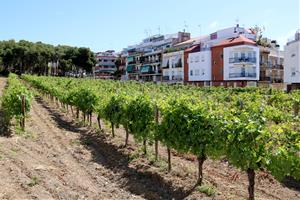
25, 56
258, 31
85, 59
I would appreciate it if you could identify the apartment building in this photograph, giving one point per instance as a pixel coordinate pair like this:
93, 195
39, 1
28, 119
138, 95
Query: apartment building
292, 62
106, 64
199, 68
271, 64
235, 62
173, 67
144, 60
151, 68
208, 66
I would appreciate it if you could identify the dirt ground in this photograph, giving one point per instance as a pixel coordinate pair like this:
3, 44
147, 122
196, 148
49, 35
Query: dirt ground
58, 158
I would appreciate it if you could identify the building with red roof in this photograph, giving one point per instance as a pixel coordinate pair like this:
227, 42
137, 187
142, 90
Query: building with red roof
235, 62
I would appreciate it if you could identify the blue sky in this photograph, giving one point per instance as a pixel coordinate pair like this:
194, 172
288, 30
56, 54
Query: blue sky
115, 24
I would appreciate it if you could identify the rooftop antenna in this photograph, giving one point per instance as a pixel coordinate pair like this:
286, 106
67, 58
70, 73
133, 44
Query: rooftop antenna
200, 29
185, 27
237, 22
146, 33
158, 30
150, 32
237, 25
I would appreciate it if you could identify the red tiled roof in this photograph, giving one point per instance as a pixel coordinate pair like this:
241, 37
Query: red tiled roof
235, 41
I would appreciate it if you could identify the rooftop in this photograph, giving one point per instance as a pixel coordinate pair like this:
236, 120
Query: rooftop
235, 41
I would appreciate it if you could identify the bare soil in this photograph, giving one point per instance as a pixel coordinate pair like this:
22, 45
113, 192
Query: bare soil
58, 158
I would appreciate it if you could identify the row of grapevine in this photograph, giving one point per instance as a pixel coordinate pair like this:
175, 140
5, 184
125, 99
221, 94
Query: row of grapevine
16, 101
252, 128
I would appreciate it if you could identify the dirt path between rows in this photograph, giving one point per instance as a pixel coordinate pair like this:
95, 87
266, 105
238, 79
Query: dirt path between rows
58, 159
46, 163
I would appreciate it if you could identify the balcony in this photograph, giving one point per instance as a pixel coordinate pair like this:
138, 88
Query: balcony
166, 78
177, 78
243, 75
242, 60
130, 69
147, 69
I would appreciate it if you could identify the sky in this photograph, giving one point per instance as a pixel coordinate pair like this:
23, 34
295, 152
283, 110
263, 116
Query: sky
115, 24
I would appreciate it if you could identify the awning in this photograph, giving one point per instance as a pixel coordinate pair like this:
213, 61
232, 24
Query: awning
130, 59
130, 68
105, 71
146, 69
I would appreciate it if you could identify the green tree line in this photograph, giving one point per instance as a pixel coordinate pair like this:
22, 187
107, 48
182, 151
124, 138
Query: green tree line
29, 57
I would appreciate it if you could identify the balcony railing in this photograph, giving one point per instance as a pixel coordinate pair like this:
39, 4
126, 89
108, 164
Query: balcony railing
241, 60
166, 78
242, 75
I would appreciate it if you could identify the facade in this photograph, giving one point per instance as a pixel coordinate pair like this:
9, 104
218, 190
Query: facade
144, 60
106, 64
199, 65
214, 64
235, 62
229, 57
271, 63
172, 66
215, 38
292, 61
241, 63
133, 65
151, 68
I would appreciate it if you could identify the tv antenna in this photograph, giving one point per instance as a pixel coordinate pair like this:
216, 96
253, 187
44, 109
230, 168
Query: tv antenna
237, 21
185, 27
200, 28
146, 33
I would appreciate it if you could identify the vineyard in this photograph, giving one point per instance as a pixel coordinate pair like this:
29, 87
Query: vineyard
252, 129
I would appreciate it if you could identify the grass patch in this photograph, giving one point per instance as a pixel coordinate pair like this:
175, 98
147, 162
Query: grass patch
75, 142
18, 130
26, 134
207, 189
14, 151
161, 163
34, 181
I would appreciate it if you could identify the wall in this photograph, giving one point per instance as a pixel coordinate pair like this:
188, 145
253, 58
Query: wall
292, 63
200, 65
173, 65
217, 63
237, 69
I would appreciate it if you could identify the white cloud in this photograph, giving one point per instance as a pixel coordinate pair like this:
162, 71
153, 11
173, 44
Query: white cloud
213, 25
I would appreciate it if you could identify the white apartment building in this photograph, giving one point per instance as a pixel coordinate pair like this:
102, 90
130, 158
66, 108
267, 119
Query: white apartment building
172, 65
241, 62
292, 60
218, 36
199, 66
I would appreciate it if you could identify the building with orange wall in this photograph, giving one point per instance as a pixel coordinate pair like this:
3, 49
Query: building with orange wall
235, 62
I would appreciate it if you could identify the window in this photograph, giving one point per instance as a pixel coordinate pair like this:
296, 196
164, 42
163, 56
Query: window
191, 60
191, 73
202, 58
197, 59
249, 54
243, 55
197, 72
293, 55
293, 71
